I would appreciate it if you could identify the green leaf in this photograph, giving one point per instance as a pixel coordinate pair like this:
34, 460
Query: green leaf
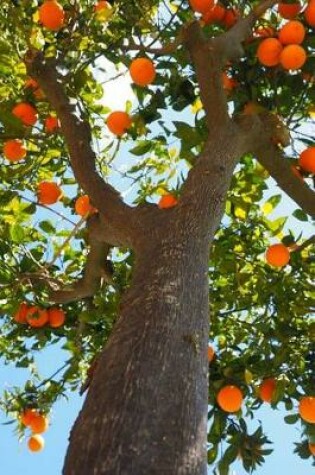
300, 215
47, 227
17, 233
291, 418
142, 148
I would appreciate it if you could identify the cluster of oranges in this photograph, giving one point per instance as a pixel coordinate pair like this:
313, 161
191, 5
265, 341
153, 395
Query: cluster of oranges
15, 150
38, 317
286, 49
215, 13
230, 398
38, 424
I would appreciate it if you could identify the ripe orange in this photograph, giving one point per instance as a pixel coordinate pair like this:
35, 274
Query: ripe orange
230, 398
277, 255
307, 409
291, 33
48, 192
36, 317
20, 315
307, 160
142, 71
14, 150
102, 5
39, 423
201, 6
51, 15
289, 10
230, 17
51, 124
309, 14
215, 15
167, 201
293, 57
266, 389
211, 354
56, 317
26, 113
30, 83
311, 448
83, 206
27, 416
118, 122
228, 83
269, 51
36, 443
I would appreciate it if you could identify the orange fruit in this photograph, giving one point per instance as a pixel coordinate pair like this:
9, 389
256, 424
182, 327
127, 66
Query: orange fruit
309, 14
230, 17
293, 57
27, 416
48, 192
311, 448
51, 15
201, 6
211, 354
277, 255
83, 206
26, 113
215, 15
36, 443
230, 398
20, 315
307, 409
39, 423
102, 5
289, 10
307, 160
14, 150
56, 317
167, 201
269, 51
51, 124
30, 83
36, 317
266, 389
142, 71
118, 122
228, 82
291, 33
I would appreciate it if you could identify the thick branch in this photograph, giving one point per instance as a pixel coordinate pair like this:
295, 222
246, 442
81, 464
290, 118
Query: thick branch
97, 268
77, 134
208, 70
280, 170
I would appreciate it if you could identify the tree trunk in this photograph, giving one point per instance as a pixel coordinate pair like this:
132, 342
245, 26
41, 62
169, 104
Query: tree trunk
146, 409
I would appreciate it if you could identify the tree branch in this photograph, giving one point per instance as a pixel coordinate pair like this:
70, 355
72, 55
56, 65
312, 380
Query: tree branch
97, 268
77, 134
209, 75
280, 170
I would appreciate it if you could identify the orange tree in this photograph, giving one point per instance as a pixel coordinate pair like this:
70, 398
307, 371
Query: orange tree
221, 102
